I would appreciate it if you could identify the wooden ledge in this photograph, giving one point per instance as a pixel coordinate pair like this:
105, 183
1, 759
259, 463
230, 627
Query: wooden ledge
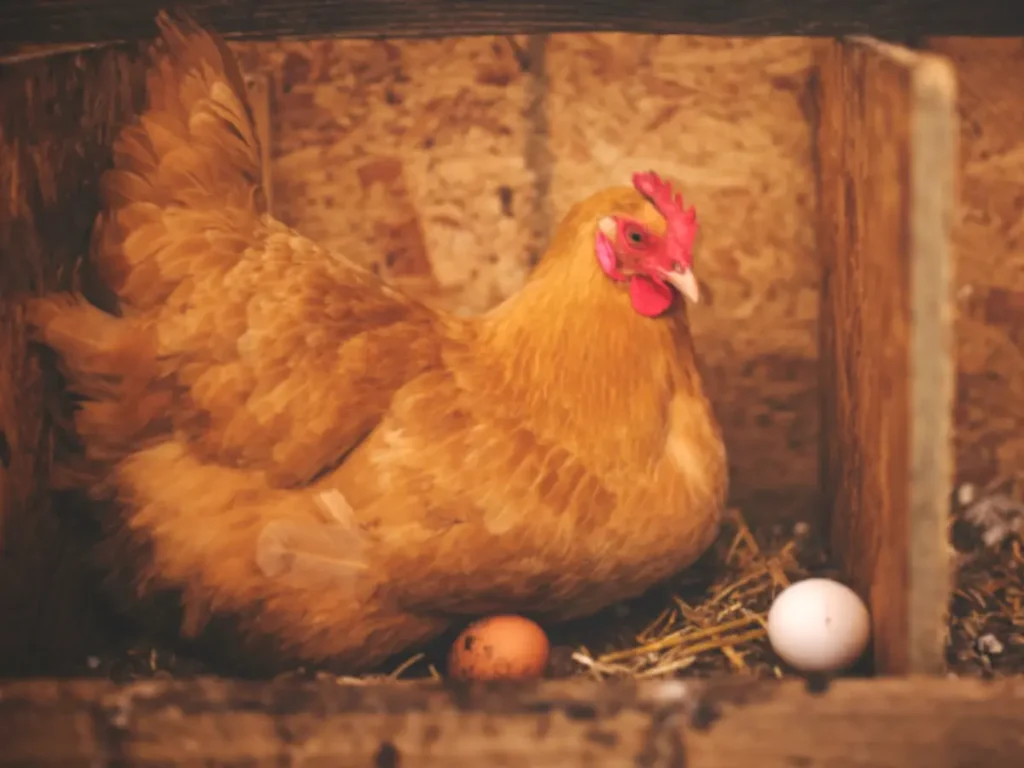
884, 722
77, 21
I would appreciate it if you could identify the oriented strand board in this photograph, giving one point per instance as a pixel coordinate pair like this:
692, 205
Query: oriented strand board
989, 240
730, 120
410, 156
888, 149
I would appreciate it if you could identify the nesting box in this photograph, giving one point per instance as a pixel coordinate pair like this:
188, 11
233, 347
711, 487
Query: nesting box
861, 206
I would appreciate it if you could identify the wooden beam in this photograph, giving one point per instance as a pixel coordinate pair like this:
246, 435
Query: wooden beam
61, 21
887, 145
727, 724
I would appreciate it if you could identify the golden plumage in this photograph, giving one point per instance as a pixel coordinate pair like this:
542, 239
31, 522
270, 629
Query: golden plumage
285, 440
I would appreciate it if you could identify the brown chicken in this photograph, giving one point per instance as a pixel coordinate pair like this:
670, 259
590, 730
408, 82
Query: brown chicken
281, 439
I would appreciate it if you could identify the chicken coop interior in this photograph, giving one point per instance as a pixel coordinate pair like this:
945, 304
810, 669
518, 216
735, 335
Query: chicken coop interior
860, 328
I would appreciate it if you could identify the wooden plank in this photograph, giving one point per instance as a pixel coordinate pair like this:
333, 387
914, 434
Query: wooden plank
902, 723
59, 115
989, 259
888, 148
56, 21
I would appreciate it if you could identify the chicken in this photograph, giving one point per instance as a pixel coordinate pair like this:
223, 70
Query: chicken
295, 450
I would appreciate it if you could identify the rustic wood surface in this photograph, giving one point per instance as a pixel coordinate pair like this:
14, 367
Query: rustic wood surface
55, 128
887, 145
24, 21
989, 241
897, 723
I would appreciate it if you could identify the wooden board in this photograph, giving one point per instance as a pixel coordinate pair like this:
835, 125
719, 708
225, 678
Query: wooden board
989, 241
888, 149
55, 130
729, 119
30, 21
892, 723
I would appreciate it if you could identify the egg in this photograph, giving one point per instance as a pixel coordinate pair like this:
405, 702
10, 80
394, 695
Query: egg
499, 648
818, 625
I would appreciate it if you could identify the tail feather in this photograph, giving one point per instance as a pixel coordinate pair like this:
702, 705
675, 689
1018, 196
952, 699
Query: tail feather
206, 95
111, 364
93, 348
193, 153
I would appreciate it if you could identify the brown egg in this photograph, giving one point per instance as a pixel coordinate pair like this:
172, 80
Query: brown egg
499, 648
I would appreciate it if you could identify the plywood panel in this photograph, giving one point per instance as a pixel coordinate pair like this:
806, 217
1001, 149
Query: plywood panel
989, 239
730, 120
407, 155
887, 143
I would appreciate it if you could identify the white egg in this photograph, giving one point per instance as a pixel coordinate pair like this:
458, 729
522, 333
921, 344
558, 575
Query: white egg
818, 625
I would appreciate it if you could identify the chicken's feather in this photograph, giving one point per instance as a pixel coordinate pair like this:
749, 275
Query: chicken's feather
299, 351
555, 455
334, 549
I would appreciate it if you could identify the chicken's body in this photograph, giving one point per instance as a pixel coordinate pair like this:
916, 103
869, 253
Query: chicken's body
551, 457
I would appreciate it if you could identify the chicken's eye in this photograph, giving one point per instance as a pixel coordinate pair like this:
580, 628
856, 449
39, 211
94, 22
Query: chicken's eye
635, 235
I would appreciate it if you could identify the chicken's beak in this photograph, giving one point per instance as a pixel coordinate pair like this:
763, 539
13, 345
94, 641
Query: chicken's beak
685, 282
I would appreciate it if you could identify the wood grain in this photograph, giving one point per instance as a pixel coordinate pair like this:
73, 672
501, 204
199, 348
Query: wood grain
989, 241
887, 147
895, 723
57, 121
56, 21
729, 119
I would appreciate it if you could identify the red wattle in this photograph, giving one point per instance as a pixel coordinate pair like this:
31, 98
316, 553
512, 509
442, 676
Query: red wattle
649, 298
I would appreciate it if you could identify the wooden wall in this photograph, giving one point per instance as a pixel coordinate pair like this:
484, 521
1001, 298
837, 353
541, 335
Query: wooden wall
990, 258
456, 158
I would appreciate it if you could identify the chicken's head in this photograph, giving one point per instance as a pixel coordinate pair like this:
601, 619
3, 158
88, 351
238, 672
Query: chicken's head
655, 263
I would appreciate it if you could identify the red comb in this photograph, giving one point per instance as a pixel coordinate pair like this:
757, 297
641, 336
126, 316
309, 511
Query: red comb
681, 223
